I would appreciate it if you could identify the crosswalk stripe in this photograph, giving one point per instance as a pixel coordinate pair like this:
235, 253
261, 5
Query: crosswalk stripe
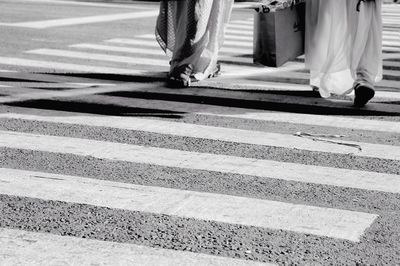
252, 114
334, 223
31, 248
82, 20
101, 57
218, 133
133, 50
69, 93
75, 3
315, 120
11, 61
203, 161
241, 26
239, 32
238, 43
150, 43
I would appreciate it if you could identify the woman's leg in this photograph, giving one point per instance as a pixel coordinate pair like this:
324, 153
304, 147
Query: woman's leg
192, 31
367, 51
343, 46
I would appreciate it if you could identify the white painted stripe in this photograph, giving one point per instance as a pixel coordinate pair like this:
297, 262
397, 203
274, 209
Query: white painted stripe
35, 249
387, 95
101, 57
45, 94
232, 71
132, 50
86, 84
224, 49
335, 223
315, 120
61, 2
203, 161
389, 43
66, 66
227, 37
239, 32
82, 20
236, 51
152, 43
238, 43
8, 71
217, 133
238, 37
243, 22
248, 27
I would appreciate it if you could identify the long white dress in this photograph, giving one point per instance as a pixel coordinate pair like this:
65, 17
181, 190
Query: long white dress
343, 45
192, 32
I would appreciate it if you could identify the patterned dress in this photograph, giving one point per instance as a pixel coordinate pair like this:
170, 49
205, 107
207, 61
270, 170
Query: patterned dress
343, 45
192, 32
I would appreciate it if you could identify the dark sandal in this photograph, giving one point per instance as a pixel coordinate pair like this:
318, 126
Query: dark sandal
362, 95
180, 77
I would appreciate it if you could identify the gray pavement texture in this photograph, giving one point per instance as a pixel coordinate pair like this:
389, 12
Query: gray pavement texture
36, 90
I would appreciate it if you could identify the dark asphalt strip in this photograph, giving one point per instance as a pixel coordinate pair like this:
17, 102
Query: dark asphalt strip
346, 161
379, 246
203, 181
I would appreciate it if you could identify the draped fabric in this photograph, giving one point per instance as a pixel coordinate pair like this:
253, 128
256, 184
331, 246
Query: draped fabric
192, 32
343, 46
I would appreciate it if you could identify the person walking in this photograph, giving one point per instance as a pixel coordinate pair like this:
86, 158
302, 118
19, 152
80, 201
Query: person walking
191, 32
344, 47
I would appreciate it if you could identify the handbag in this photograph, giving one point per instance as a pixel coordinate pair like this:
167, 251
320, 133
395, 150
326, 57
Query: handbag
279, 29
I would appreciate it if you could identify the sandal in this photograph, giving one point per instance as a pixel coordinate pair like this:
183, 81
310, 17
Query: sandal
180, 77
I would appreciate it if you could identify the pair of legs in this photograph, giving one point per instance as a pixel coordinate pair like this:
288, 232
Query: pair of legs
344, 47
192, 32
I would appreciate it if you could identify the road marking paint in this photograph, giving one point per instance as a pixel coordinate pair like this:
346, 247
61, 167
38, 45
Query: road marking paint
238, 43
217, 133
243, 22
155, 44
335, 223
238, 37
237, 71
70, 93
132, 50
101, 57
248, 27
227, 37
77, 68
30, 248
82, 20
316, 120
391, 43
203, 161
87, 84
239, 32
58, 2
152, 43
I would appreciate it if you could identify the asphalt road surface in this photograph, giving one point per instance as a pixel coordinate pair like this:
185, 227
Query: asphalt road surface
100, 164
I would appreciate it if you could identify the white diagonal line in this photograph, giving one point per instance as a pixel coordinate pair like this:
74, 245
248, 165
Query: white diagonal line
217, 133
70, 93
335, 223
203, 161
132, 50
30, 248
81, 20
61, 2
101, 57
11, 61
